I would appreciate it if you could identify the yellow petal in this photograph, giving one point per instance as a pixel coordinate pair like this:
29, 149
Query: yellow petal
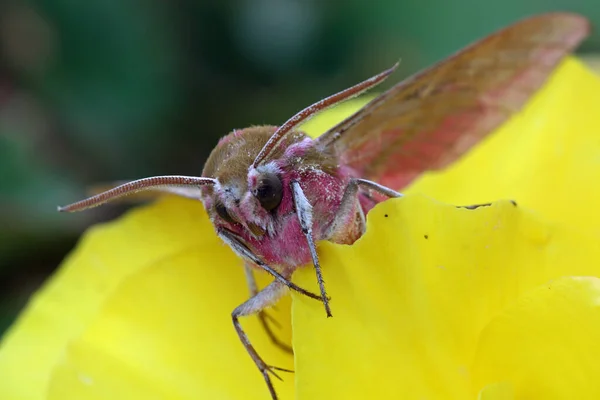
105, 256
497, 391
547, 344
411, 297
546, 158
141, 308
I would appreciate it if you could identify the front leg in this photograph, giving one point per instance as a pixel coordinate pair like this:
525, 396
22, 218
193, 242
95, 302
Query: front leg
304, 214
349, 205
243, 251
256, 304
263, 317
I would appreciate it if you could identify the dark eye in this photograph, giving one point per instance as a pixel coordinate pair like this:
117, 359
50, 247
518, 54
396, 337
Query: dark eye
269, 191
223, 213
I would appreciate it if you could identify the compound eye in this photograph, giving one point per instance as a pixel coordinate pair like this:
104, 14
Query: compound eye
269, 191
223, 213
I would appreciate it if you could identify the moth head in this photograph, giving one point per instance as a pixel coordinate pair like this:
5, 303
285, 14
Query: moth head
251, 202
245, 198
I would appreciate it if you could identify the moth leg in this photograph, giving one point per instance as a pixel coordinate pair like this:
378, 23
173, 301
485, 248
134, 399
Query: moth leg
348, 205
304, 213
474, 206
392, 193
263, 317
384, 190
243, 251
263, 299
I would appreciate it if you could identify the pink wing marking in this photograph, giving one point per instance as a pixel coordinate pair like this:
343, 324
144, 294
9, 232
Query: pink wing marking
432, 118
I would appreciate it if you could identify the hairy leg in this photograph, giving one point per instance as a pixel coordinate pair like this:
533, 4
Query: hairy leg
245, 253
263, 299
349, 204
304, 214
263, 317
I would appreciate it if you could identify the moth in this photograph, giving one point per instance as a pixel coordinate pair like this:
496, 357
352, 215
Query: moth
273, 192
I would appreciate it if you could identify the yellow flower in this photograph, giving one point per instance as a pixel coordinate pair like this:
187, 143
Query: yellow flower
432, 302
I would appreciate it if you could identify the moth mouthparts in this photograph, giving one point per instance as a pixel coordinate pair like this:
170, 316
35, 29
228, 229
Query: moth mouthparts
256, 230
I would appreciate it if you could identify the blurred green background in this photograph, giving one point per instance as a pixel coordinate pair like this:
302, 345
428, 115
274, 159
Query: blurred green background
99, 90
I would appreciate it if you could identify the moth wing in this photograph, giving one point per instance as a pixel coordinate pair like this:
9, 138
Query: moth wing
432, 118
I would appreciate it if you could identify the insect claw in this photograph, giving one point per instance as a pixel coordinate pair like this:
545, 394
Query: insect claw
270, 369
281, 369
326, 300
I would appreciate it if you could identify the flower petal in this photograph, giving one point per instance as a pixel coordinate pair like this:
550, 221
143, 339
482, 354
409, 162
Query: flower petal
547, 344
168, 331
411, 297
497, 391
139, 300
546, 157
